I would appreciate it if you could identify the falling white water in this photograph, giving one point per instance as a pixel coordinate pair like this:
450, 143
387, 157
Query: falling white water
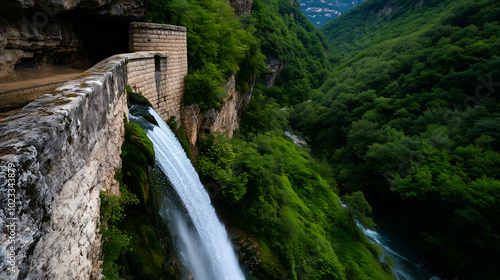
206, 250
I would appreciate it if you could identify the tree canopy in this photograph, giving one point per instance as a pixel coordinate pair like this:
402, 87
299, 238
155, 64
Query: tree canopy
411, 107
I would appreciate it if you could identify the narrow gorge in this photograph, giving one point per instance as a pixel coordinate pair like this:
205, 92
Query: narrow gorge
234, 139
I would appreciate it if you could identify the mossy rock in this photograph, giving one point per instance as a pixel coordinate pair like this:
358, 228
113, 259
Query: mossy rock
148, 117
135, 171
135, 134
136, 98
148, 257
174, 270
152, 254
137, 155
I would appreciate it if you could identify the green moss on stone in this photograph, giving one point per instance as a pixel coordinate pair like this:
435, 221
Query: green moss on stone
136, 135
135, 168
152, 254
147, 116
147, 258
136, 98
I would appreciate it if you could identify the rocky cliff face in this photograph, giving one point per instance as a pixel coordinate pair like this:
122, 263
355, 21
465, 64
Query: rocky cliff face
22, 39
275, 65
35, 34
199, 124
241, 6
56, 155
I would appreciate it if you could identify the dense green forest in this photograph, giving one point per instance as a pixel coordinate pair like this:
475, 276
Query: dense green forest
410, 116
270, 187
222, 44
285, 33
404, 109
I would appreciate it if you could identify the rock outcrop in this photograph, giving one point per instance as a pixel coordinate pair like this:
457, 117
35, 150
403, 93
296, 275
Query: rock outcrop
35, 33
56, 155
26, 37
275, 65
127, 8
241, 6
198, 124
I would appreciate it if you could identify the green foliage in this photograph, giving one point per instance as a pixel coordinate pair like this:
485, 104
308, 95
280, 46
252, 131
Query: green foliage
286, 34
115, 241
219, 163
219, 46
411, 108
203, 87
359, 208
293, 210
263, 113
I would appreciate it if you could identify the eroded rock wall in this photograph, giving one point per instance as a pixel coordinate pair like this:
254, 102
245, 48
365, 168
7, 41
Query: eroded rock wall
56, 155
199, 124
41, 33
27, 36
241, 6
275, 66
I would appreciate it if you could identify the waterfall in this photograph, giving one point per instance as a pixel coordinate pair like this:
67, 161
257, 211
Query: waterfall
201, 238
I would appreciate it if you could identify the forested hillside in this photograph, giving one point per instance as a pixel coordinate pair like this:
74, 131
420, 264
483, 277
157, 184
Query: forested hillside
410, 116
222, 44
286, 34
268, 186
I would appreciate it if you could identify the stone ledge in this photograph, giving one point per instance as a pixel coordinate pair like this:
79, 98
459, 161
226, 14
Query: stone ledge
145, 55
147, 25
16, 98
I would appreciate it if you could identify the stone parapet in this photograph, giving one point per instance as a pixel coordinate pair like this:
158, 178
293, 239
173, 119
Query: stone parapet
57, 154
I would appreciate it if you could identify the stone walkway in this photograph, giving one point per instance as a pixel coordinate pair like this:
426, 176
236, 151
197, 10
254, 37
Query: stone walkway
43, 76
29, 85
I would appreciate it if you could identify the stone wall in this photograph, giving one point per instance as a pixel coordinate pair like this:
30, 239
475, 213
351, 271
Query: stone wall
152, 37
147, 73
61, 150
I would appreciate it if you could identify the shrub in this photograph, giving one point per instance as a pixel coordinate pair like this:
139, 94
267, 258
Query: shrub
115, 241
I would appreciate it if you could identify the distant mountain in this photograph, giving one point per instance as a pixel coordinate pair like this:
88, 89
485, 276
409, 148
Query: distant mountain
320, 12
